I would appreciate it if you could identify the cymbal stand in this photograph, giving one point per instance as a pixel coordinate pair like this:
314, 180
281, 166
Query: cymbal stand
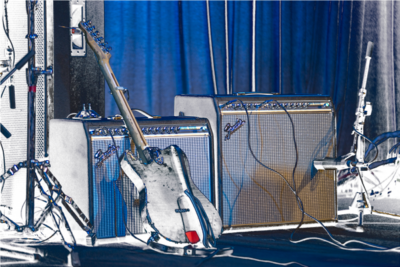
53, 187
32, 74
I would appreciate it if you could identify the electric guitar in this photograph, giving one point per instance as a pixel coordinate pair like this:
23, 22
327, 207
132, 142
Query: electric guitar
173, 211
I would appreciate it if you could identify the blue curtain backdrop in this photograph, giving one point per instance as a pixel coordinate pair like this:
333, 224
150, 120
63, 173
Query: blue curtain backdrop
161, 49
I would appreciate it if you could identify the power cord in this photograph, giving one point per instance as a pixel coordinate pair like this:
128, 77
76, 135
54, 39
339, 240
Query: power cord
300, 204
203, 215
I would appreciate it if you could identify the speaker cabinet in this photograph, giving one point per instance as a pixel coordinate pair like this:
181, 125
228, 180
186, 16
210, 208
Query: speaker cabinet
95, 183
249, 194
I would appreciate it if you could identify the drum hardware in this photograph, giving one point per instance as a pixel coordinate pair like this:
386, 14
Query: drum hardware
34, 167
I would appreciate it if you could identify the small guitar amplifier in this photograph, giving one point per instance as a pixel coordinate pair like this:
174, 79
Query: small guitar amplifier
84, 158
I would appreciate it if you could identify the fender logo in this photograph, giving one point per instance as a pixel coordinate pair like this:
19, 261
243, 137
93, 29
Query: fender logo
101, 157
231, 129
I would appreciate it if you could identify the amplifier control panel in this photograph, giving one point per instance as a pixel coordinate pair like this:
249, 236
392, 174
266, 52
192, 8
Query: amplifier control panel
275, 107
153, 130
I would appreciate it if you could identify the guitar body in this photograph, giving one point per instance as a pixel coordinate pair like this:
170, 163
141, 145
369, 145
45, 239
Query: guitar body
172, 204
174, 212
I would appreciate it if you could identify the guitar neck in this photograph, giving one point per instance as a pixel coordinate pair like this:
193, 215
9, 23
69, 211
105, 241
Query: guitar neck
126, 112
103, 58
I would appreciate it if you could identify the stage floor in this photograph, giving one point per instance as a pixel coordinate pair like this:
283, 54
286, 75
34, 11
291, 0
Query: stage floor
251, 249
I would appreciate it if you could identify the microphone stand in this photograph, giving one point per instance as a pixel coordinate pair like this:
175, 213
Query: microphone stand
361, 200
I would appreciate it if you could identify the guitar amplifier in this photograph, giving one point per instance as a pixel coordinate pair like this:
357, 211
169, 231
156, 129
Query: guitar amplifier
247, 193
84, 159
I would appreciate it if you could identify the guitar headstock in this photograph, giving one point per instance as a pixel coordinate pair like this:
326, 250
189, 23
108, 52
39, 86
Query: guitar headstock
95, 41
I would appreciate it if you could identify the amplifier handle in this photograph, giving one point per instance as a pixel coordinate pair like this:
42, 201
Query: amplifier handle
146, 114
252, 93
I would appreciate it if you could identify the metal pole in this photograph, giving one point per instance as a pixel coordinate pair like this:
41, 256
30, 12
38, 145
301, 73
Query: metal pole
31, 80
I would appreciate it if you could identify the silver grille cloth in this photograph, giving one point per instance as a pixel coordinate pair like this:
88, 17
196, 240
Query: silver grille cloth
117, 200
252, 194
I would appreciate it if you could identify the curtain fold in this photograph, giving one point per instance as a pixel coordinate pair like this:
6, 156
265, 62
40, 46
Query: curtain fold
162, 49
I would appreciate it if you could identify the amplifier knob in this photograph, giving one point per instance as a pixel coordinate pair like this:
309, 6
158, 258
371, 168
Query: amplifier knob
303, 105
250, 106
175, 129
153, 130
145, 130
120, 131
285, 105
111, 131
91, 132
167, 130
160, 130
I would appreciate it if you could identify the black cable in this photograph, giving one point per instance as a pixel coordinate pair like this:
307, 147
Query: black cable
299, 202
207, 258
274, 262
5, 23
376, 147
3, 91
122, 190
4, 158
74, 113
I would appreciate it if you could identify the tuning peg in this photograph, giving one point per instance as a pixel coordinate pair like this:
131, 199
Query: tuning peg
96, 33
99, 39
89, 22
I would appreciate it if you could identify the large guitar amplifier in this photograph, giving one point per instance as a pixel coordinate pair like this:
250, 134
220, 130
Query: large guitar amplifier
247, 193
84, 158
